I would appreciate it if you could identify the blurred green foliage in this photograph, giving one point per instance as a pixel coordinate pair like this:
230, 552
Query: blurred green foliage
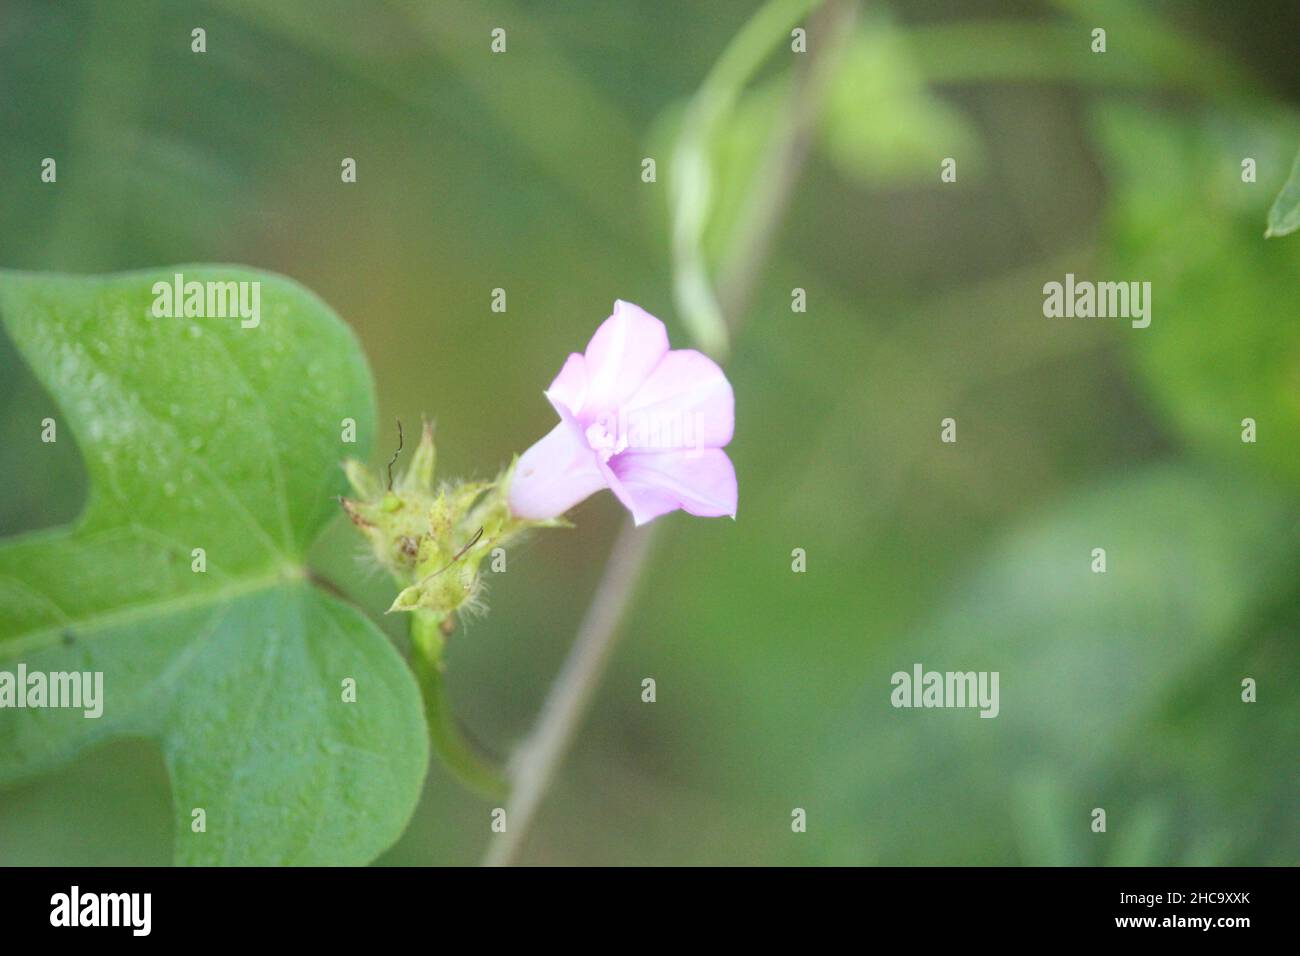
1284, 215
924, 301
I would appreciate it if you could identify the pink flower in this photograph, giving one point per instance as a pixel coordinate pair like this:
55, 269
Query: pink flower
647, 423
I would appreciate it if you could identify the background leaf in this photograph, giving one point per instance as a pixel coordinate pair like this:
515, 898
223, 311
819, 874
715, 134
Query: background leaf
1183, 220
1093, 670
1284, 216
197, 433
882, 124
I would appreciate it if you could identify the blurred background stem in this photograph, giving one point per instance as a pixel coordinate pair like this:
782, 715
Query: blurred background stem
535, 761
539, 755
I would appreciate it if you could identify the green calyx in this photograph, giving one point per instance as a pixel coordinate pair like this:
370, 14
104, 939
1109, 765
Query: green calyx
434, 538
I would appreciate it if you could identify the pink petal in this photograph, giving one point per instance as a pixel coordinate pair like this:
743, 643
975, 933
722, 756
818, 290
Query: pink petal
570, 387
621, 356
650, 484
555, 474
686, 402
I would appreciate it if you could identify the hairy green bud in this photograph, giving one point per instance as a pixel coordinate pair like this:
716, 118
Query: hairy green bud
433, 537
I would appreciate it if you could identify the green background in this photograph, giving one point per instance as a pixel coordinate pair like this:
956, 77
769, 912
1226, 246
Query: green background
522, 171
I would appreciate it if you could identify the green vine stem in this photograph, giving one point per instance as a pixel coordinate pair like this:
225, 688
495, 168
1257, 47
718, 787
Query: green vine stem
460, 756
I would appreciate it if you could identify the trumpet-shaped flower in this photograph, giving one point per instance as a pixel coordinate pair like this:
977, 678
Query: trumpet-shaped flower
644, 421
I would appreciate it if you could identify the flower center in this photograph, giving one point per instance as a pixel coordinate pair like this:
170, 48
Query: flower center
605, 441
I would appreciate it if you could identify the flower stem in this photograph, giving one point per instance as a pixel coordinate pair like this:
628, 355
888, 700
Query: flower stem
457, 753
